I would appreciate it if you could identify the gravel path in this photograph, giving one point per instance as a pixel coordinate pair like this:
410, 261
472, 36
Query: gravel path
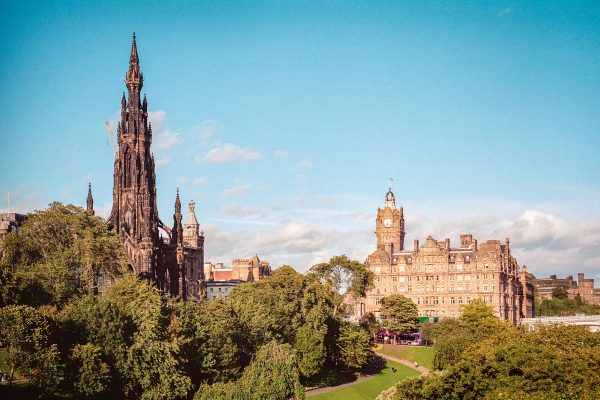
408, 363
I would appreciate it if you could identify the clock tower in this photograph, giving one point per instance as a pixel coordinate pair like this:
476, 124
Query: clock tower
389, 225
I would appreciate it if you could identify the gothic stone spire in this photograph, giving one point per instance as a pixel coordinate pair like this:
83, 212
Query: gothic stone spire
90, 201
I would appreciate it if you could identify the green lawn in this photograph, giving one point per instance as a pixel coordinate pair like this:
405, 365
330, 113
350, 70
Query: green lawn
422, 355
370, 388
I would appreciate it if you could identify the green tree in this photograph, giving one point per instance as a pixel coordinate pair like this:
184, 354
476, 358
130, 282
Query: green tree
57, 253
560, 292
26, 333
353, 347
343, 277
452, 336
398, 313
426, 330
93, 374
154, 367
558, 362
310, 350
270, 308
273, 374
212, 348
369, 322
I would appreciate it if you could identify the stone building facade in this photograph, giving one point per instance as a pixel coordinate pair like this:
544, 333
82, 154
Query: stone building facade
9, 222
220, 280
174, 263
440, 278
583, 287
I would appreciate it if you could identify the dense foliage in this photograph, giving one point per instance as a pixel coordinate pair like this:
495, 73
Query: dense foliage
398, 313
265, 340
483, 358
561, 305
58, 253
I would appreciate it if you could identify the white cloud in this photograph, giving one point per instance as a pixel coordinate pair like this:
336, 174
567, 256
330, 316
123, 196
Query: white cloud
237, 191
505, 11
548, 238
280, 154
23, 200
230, 152
304, 163
205, 130
240, 211
103, 210
199, 181
163, 163
163, 138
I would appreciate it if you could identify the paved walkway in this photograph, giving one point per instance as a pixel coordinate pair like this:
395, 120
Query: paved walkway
402, 361
410, 364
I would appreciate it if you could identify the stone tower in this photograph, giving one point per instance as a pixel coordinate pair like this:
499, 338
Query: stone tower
134, 214
172, 264
192, 235
389, 225
90, 201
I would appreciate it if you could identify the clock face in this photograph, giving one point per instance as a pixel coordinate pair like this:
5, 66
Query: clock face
387, 222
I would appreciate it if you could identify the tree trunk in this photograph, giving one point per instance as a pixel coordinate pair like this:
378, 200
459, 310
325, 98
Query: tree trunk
11, 373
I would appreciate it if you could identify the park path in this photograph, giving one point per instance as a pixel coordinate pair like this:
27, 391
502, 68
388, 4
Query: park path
316, 391
402, 361
410, 364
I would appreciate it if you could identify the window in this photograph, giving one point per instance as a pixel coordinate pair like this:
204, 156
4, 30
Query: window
401, 279
460, 300
459, 277
451, 300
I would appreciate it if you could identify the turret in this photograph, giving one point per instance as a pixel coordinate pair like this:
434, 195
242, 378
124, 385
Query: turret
90, 201
177, 235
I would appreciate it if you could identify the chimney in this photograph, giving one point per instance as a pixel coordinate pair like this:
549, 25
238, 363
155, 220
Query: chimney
416, 246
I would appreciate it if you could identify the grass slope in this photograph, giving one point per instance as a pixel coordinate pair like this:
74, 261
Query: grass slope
370, 389
422, 355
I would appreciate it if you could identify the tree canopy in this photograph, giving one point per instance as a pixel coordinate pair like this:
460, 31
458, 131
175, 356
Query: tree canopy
57, 253
556, 362
343, 276
398, 313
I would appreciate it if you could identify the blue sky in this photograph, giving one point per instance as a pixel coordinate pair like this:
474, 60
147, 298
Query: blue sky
284, 120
